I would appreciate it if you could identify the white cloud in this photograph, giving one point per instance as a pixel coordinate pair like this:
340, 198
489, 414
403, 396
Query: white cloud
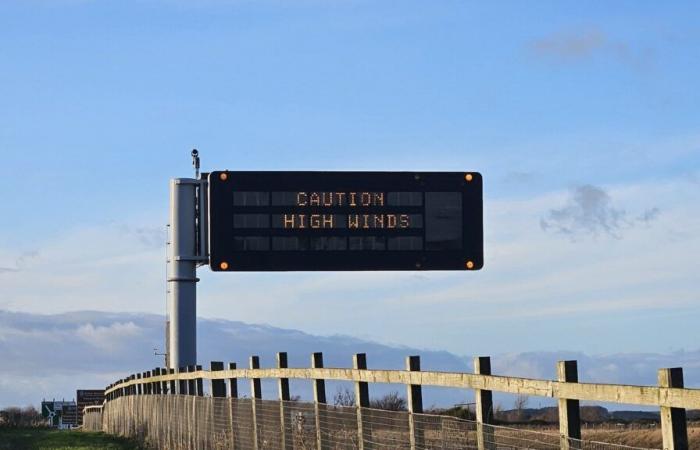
589, 211
108, 267
583, 44
107, 337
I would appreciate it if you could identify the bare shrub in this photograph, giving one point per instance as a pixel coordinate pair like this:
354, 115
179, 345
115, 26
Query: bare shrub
343, 397
390, 402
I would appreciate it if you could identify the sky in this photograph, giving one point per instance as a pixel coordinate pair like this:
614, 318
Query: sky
584, 120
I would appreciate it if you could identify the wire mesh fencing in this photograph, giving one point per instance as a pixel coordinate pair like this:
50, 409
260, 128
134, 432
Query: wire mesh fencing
92, 419
192, 422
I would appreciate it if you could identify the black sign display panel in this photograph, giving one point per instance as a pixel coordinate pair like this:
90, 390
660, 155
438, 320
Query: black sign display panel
338, 221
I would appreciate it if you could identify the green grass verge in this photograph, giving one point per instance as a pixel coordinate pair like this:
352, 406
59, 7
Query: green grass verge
44, 438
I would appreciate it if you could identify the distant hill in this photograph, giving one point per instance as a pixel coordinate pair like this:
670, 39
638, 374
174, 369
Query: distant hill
590, 414
550, 414
53, 355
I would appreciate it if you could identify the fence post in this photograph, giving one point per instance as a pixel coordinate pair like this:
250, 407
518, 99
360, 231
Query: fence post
359, 362
157, 384
192, 419
255, 394
147, 383
191, 383
569, 413
484, 407
182, 384
233, 395
232, 382
173, 383
151, 383
217, 387
673, 420
319, 387
191, 424
163, 384
287, 441
199, 383
414, 395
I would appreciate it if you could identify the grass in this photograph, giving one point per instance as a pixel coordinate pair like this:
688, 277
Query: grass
45, 439
640, 438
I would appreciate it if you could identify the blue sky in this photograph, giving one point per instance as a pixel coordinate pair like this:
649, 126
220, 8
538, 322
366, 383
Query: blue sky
583, 119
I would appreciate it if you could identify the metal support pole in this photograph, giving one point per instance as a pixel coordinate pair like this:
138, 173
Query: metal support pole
182, 274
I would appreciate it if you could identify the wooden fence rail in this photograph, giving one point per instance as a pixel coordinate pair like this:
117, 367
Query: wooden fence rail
670, 395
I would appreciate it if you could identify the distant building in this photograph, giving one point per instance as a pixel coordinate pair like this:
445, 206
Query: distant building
88, 397
60, 414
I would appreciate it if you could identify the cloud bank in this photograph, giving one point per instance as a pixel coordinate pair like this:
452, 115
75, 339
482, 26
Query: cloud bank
53, 355
584, 44
589, 212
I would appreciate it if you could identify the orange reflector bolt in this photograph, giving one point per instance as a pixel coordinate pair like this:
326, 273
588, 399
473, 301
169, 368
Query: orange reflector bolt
470, 265
223, 265
223, 176
469, 177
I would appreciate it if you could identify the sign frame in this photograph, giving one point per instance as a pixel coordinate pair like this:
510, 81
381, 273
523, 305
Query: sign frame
224, 257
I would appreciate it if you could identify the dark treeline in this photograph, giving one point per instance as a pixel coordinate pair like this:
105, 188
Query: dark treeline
21, 417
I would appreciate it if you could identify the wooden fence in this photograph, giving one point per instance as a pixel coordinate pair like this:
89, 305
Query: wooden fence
670, 395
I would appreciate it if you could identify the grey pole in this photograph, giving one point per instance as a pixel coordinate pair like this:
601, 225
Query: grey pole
182, 274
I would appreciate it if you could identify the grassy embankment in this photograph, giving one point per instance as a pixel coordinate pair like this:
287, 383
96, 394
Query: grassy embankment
44, 438
640, 438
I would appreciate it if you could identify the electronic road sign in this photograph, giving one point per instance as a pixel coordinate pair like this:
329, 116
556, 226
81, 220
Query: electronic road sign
338, 221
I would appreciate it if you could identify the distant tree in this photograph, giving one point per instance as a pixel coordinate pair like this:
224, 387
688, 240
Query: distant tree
390, 402
519, 406
21, 417
498, 411
456, 411
343, 397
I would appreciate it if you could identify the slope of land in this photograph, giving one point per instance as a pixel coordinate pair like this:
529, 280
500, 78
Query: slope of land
48, 439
